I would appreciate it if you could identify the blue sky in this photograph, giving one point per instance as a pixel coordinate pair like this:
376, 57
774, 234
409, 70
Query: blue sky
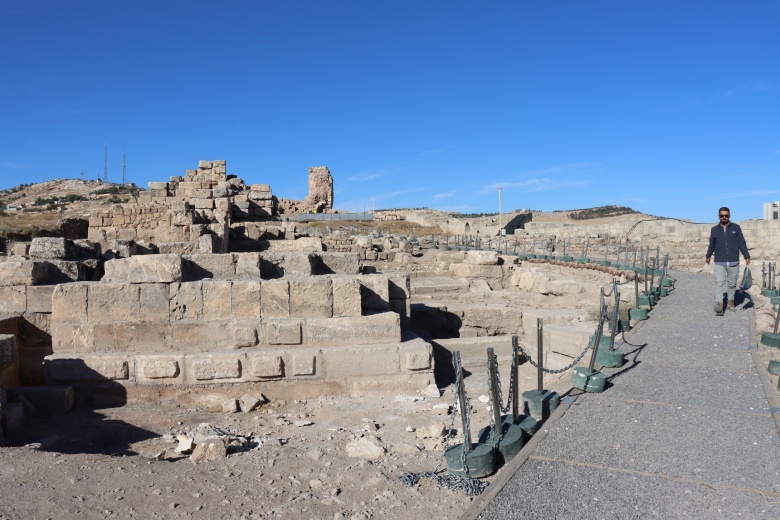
672, 108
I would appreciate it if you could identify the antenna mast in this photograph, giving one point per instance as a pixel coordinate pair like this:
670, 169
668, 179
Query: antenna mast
124, 168
105, 163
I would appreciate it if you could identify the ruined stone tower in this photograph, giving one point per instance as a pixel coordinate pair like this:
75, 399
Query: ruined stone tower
320, 196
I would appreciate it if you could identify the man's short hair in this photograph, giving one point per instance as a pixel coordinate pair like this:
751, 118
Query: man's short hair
724, 208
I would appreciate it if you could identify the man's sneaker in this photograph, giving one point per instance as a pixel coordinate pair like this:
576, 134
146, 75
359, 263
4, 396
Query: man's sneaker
731, 306
718, 309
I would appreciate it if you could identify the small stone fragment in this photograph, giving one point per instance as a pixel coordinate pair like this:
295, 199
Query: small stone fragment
186, 444
365, 448
432, 390
300, 424
433, 431
249, 402
230, 405
209, 450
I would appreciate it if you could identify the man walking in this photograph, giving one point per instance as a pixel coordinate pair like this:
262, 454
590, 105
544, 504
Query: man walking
726, 241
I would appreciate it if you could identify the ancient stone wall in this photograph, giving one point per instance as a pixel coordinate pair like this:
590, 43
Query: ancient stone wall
194, 213
320, 198
251, 318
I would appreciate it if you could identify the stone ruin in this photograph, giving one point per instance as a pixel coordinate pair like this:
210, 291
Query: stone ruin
197, 287
320, 197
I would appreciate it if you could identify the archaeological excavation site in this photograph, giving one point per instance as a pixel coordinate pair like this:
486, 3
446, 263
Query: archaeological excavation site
207, 349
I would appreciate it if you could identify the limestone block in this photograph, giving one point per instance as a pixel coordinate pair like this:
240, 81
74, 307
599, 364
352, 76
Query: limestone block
154, 301
384, 327
194, 337
217, 300
131, 337
158, 185
159, 369
311, 297
417, 354
482, 257
361, 361
113, 302
213, 367
23, 272
246, 300
72, 337
308, 244
260, 195
247, 266
203, 203
476, 271
243, 335
338, 263
304, 364
98, 367
49, 248
205, 165
375, 292
13, 299
69, 302
215, 266
186, 301
282, 332
164, 268
210, 244
260, 187
275, 299
399, 285
263, 366
347, 300
64, 271
49, 400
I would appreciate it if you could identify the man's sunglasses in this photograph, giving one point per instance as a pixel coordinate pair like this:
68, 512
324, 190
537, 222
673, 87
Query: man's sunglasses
724, 216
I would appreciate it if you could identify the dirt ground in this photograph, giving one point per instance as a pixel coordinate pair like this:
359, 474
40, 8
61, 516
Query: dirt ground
120, 462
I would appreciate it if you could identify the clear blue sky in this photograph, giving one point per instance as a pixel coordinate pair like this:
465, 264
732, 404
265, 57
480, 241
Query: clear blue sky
670, 107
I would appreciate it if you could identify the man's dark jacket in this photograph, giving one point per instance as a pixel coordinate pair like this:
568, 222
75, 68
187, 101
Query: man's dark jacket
726, 243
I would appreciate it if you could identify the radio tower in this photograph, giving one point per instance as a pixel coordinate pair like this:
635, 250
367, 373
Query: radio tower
124, 168
105, 163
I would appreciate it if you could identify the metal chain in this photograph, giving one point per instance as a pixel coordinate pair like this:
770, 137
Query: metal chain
469, 486
559, 371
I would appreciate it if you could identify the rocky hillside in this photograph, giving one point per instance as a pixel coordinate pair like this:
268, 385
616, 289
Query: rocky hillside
55, 208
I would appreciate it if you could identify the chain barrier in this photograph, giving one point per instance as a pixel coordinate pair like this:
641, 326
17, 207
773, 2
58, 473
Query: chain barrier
560, 370
468, 486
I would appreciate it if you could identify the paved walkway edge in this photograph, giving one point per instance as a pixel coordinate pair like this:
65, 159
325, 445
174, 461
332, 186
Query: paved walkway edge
763, 375
509, 470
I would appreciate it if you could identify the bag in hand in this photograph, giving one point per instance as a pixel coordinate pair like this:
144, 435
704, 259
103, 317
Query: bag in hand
747, 280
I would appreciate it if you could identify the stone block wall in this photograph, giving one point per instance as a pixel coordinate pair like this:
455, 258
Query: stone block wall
145, 326
204, 202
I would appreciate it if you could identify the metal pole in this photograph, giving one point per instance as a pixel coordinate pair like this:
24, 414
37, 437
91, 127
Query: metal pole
462, 404
777, 320
636, 290
587, 244
615, 315
657, 254
496, 411
540, 354
515, 383
606, 250
596, 341
763, 275
646, 292
652, 274
634, 258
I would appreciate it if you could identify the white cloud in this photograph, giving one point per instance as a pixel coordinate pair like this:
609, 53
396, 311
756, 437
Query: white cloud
368, 176
533, 185
440, 196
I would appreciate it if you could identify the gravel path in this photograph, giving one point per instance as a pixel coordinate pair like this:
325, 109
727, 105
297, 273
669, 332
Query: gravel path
684, 429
